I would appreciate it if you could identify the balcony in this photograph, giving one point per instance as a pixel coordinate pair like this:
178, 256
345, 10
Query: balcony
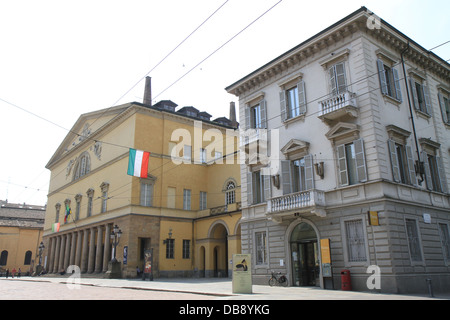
298, 202
339, 106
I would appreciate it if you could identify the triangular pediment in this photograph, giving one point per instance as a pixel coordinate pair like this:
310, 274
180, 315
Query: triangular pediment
341, 130
295, 145
87, 126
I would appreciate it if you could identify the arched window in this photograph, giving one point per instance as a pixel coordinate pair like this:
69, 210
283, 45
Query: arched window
230, 194
82, 166
4, 258
27, 260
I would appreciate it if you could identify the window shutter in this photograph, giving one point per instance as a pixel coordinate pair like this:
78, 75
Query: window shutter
247, 117
340, 78
414, 94
301, 96
249, 188
382, 76
360, 158
394, 160
342, 165
441, 172
426, 94
398, 88
333, 80
411, 169
426, 166
263, 110
283, 106
267, 187
286, 176
443, 109
309, 172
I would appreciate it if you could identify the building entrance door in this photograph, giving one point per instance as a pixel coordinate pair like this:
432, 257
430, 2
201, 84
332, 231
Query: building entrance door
305, 256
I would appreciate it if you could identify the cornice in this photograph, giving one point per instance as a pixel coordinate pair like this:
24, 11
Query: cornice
357, 22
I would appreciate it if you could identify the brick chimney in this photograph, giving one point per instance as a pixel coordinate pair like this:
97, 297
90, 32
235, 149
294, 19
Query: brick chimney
233, 115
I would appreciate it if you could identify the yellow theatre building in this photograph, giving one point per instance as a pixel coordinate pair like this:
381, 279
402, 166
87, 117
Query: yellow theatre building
186, 209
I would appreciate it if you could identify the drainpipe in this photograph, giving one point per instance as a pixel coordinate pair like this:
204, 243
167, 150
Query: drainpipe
419, 164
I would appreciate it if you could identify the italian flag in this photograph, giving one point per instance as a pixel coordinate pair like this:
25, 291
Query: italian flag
138, 163
55, 227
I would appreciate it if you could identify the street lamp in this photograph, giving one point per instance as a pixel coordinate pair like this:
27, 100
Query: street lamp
115, 237
41, 249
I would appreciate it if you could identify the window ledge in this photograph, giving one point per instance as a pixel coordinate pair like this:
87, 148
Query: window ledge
388, 98
294, 119
423, 114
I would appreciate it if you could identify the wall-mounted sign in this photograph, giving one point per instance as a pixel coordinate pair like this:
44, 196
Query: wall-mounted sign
373, 218
148, 264
325, 250
427, 218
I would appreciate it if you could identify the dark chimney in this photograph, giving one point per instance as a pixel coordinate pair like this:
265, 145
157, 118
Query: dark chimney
233, 115
148, 91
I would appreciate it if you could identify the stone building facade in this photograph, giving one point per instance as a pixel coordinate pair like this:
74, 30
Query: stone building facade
351, 130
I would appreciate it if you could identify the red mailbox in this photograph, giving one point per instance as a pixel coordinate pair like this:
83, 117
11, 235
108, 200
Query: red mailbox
346, 280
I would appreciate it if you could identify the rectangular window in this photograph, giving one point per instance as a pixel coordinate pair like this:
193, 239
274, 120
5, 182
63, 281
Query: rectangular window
261, 248
187, 199
434, 172
256, 116
203, 200
77, 210
89, 206
170, 246
293, 101
203, 155
337, 79
389, 81
186, 249
356, 244
146, 197
104, 201
444, 103
351, 163
445, 240
258, 187
421, 96
413, 240
187, 153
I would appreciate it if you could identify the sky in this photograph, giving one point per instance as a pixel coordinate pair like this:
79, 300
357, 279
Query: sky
60, 59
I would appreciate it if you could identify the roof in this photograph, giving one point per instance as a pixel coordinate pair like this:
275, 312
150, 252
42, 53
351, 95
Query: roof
362, 13
21, 215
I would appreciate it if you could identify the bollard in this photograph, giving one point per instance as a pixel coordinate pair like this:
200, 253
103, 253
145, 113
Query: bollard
430, 287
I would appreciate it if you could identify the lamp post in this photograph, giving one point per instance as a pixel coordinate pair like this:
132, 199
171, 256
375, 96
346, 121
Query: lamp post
115, 237
41, 249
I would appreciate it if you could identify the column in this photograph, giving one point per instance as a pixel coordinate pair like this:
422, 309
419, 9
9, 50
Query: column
78, 252
107, 248
52, 254
99, 251
61, 253
67, 251
91, 261
73, 247
84, 258
56, 260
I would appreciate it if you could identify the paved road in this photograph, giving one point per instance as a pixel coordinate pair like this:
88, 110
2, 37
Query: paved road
52, 288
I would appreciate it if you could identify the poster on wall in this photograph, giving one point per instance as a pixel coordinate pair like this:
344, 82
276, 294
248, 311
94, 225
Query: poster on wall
148, 263
242, 273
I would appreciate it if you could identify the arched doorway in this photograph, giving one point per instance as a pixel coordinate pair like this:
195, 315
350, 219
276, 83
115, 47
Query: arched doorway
304, 255
219, 235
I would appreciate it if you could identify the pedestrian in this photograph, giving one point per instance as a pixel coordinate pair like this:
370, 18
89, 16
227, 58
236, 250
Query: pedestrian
19, 273
7, 273
13, 272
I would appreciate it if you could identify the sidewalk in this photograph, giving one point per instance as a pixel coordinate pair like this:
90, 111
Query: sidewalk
222, 289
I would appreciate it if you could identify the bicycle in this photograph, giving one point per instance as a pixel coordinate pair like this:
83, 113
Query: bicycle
280, 280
